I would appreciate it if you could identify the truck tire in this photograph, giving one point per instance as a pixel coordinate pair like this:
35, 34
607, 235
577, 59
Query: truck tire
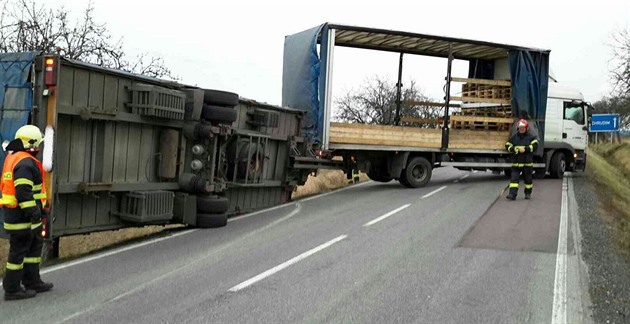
211, 220
403, 181
212, 204
218, 114
379, 178
558, 165
417, 173
250, 161
220, 98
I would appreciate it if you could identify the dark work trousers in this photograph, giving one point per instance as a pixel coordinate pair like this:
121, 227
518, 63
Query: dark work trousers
25, 252
515, 178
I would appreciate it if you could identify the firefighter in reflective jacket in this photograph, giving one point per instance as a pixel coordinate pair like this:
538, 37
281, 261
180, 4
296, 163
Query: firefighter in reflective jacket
522, 145
24, 203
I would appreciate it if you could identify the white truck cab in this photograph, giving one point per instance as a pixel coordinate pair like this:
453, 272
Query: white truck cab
566, 128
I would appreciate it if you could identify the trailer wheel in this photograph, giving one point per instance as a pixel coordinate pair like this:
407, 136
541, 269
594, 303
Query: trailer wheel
211, 220
221, 98
417, 173
558, 165
250, 161
212, 204
218, 114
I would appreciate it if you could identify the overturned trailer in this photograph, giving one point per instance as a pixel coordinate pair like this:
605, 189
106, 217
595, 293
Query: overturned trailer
130, 150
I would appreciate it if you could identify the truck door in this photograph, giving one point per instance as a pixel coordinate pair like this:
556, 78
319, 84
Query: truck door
574, 130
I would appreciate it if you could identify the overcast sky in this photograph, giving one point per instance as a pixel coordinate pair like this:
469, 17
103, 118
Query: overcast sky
237, 45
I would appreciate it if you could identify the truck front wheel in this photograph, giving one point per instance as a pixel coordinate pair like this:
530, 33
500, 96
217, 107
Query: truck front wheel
558, 165
417, 173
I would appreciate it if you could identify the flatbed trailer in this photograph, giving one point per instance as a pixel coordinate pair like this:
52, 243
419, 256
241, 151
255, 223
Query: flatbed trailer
504, 83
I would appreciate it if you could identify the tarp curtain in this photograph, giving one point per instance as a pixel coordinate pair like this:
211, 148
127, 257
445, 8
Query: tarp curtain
16, 94
301, 83
529, 72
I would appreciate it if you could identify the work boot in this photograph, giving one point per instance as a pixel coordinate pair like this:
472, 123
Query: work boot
510, 197
40, 286
20, 294
528, 196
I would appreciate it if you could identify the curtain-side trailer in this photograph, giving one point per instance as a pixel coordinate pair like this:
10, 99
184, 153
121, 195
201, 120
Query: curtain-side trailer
504, 83
130, 150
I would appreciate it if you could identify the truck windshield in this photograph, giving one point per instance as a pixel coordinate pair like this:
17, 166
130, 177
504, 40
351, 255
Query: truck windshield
574, 111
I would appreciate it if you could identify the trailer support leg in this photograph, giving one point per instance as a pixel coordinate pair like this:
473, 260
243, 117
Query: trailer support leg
447, 90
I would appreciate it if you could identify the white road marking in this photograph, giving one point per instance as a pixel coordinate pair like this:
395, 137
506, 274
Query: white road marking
462, 178
102, 255
295, 202
286, 264
376, 220
559, 315
130, 247
433, 192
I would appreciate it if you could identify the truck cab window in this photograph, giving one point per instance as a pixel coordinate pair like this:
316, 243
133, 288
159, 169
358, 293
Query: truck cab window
574, 111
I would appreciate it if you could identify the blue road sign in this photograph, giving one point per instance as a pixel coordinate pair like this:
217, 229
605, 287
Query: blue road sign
604, 123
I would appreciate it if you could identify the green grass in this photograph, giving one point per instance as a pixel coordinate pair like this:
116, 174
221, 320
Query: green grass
608, 168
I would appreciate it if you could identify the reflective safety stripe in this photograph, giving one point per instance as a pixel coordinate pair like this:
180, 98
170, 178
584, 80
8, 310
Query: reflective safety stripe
28, 204
9, 201
15, 227
7, 176
534, 142
513, 184
36, 225
531, 148
528, 164
518, 165
39, 196
33, 260
13, 266
37, 187
23, 181
529, 186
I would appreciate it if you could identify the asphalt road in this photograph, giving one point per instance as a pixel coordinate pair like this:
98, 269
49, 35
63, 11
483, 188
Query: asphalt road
454, 251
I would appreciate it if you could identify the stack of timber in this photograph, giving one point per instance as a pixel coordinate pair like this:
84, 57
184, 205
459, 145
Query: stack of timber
415, 137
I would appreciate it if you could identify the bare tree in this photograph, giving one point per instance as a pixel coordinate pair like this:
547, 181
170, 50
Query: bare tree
375, 103
25, 26
620, 72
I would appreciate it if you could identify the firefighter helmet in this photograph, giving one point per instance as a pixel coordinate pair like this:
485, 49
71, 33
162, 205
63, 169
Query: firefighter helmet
522, 123
30, 136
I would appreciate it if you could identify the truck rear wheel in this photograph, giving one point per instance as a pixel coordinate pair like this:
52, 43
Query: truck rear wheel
218, 114
417, 173
211, 220
558, 165
221, 98
212, 204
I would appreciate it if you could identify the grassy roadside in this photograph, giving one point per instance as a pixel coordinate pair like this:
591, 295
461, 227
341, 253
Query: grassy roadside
78, 245
608, 168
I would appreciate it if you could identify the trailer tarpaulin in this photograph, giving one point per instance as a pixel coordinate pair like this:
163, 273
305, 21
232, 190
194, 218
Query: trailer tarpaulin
300, 79
16, 94
529, 71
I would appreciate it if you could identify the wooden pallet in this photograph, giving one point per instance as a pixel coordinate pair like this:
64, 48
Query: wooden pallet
480, 123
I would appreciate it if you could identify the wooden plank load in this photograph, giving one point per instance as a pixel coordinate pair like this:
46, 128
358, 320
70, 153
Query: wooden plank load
415, 137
